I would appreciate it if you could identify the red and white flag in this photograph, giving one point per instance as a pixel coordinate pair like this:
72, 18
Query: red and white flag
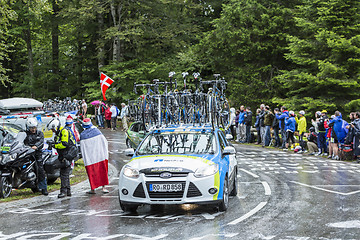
94, 150
105, 82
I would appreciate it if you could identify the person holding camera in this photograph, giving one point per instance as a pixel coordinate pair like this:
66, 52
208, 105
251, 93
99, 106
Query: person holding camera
64, 143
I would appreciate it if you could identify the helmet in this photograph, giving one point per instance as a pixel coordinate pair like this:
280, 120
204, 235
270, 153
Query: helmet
318, 113
291, 113
54, 124
302, 112
31, 123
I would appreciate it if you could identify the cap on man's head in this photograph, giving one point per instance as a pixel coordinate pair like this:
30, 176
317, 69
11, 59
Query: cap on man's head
302, 112
87, 123
323, 111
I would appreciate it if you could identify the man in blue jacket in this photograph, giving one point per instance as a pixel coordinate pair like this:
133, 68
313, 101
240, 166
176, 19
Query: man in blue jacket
241, 125
290, 127
281, 117
339, 127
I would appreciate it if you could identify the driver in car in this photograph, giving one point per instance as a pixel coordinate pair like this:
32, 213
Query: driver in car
35, 139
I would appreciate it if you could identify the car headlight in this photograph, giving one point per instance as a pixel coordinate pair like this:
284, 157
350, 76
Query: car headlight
207, 171
131, 172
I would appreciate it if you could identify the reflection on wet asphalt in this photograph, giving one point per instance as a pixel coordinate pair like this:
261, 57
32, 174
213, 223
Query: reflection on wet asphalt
281, 195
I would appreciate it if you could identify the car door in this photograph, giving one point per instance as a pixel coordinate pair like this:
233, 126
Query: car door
232, 157
222, 147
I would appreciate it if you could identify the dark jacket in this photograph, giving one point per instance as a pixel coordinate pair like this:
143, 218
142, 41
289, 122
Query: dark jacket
312, 137
248, 118
262, 118
34, 139
275, 123
102, 109
257, 121
237, 120
268, 119
321, 123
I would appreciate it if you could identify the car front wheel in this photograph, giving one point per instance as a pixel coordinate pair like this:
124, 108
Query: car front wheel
128, 144
224, 203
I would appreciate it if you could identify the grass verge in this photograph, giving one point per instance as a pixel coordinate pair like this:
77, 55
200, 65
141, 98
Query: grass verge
78, 175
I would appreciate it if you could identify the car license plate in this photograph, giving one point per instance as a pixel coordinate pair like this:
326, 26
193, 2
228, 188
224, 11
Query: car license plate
165, 187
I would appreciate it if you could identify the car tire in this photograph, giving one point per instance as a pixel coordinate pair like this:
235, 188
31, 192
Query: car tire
128, 143
128, 207
234, 189
224, 203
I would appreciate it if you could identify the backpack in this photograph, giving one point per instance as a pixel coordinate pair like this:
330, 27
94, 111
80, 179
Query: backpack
321, 125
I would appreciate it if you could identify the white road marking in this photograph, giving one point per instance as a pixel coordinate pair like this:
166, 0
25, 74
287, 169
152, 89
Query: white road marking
326, 190
211, 236
249, 214
122, 143
250, 173
347, 224
159, 217
267, 188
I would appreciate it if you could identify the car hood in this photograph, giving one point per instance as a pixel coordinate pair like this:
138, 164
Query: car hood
170, 163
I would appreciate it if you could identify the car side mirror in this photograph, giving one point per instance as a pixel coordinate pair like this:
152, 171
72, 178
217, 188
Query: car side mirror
129, 152
228, 150
229, 136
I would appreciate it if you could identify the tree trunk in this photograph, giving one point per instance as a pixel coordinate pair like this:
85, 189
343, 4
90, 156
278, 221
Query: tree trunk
101, 57
27, 38
116, 17
55, 39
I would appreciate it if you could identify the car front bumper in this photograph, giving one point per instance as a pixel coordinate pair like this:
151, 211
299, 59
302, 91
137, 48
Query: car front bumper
194, 190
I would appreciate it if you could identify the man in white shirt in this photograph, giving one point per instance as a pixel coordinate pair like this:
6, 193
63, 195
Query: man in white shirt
113, 111
84, 108
123, 116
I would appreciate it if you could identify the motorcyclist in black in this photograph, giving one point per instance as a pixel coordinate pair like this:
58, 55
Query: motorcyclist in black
35, 139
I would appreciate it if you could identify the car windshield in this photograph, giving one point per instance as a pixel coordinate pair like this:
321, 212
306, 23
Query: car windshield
178, 143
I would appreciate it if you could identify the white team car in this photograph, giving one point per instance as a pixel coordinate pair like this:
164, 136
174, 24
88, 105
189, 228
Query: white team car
180, 165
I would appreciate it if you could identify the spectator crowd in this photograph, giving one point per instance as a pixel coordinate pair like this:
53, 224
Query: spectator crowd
329, 136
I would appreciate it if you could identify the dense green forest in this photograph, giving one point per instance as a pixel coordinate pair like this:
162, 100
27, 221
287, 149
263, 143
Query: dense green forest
301, 53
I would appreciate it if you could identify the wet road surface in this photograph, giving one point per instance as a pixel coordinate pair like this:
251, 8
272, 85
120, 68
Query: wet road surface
281, 195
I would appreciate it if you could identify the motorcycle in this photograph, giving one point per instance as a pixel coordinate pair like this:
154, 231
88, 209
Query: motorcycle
17, 162
51, 162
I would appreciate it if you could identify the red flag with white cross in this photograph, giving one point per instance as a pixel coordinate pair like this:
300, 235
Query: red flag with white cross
105, 82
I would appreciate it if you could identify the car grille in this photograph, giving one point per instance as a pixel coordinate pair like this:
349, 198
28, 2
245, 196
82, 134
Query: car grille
173, 174
178, 194
139, 191
193, 191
